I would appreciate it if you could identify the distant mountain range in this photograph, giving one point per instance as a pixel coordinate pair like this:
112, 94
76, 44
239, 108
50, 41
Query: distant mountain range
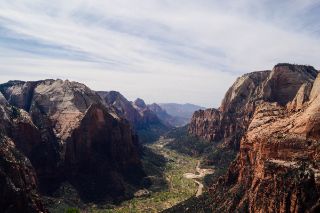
144, 121
146, 117
182, 112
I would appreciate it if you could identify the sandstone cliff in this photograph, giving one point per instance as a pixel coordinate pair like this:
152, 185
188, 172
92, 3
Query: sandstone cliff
273, 120
228, 123
69, 135
277, 169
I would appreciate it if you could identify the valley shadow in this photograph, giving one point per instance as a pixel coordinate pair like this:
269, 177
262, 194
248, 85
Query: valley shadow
104, 186
154, 165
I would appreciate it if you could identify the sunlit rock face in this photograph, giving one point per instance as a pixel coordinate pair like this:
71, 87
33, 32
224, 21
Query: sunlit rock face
274, 118
278, 163
66, 132
283, 84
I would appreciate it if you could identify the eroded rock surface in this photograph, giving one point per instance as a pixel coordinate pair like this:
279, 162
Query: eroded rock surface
283, 84
273, 119
18, 181
67, 133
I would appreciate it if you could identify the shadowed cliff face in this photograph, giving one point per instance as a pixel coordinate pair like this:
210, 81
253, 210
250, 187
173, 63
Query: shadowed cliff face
102, 155
123, 107
67, 133
137, 112
143, 119
18, 181
169, 120
275, 117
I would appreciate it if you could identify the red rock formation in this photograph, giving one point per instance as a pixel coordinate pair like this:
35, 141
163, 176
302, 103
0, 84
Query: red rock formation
103, 154
65, 131
231, 120
205, 121
278, 165
277, 169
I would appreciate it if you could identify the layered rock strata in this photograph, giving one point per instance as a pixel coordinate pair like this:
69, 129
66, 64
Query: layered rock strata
67, 133
272, 118
230, 121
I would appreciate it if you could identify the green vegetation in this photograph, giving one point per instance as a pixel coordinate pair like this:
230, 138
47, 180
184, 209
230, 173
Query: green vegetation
72, 210
165, 162
151, 133
15, 112
147, 136
211, 153
165, 168
187, 144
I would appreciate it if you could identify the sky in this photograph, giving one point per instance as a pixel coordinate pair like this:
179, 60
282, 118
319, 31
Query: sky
183, 51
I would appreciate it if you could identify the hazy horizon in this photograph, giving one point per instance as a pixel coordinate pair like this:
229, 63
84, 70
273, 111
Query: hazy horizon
158, 50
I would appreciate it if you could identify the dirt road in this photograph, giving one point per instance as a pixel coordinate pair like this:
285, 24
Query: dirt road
200, 174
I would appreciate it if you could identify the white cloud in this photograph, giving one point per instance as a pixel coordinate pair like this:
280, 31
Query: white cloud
160, 50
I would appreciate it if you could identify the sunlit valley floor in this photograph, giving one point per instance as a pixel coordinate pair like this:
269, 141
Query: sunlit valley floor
169, 187
175, 175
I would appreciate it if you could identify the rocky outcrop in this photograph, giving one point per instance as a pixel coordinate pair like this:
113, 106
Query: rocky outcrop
102, 154
148, 116
229, 123
18, 188
123, 107
145, 121
69, 135
277, 168
278, 165
161, 114
205, 122
18, 181
137, 112
139, 104
17, 125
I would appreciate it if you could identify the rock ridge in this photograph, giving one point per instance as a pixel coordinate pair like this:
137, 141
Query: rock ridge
65, 130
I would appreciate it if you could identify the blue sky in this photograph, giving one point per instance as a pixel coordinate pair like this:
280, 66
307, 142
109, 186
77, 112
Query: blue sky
160, 50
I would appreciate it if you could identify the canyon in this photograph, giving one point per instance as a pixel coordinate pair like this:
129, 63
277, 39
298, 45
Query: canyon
258, 152
271, 118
